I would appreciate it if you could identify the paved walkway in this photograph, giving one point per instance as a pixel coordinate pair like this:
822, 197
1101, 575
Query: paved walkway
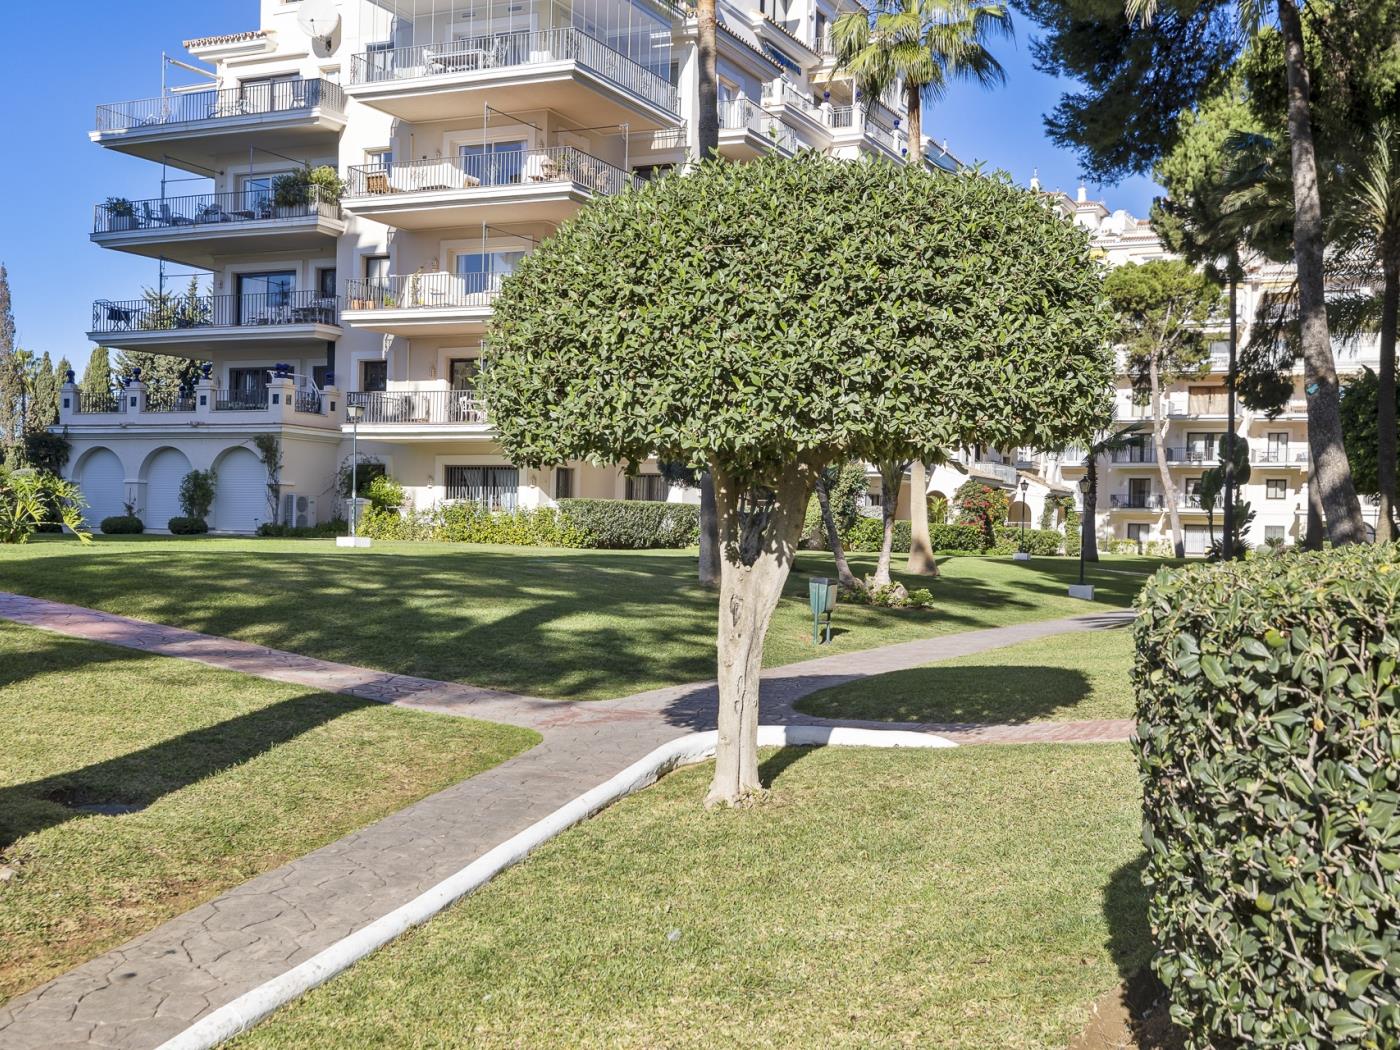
153, 987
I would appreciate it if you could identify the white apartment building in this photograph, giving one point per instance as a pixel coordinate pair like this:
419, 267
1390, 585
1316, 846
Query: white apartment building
466, 131
1131, 496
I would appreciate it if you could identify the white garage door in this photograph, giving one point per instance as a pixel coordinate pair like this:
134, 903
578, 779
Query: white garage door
240, 492
103, 482
164, 473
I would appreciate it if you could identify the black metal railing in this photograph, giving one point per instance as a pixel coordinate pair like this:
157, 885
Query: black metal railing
210, 209
1136, 501
307, 399
1192, 454
92, 404
478, 53
510, 168
420, 406
1133, 454
257, 98
1279, 456
254, 309
243, 399
422, 291
170, 401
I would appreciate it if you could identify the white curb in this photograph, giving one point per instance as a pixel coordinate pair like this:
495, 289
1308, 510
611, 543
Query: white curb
250, 1007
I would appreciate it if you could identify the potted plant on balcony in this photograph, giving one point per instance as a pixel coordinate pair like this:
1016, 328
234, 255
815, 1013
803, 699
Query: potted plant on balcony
294, 191
121, 214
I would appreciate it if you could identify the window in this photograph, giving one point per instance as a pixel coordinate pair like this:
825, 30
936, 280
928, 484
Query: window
462, 372
377, 269
495, 488
1276, 488
247, 383
823, 43
374, 376
563, 482
383, 158
1277, 448
272, 94
1197, 539
1139, 492
650, 487
1137, 531
482, 271
318, 375
1205, 400
325, 282
258, 192
1193, 492
264, 297
1200, 447
494, 163
1274, 534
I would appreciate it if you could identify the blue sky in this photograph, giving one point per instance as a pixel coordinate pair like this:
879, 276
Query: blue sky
80, 55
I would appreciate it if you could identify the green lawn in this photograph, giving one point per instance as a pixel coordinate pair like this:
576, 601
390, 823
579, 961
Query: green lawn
237, 775
1065, 678
965, 900
568, 624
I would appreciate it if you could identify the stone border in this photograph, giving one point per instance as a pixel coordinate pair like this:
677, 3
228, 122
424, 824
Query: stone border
245, 1011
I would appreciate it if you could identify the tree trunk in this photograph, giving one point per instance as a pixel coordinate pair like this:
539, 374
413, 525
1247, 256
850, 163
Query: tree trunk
1316, 532
707, 113
757, 560
914, 136
891, 478
709, 533
1227, 544
1088, 527
833, 535
1330, 468
1386, 444
1159, 445
921, 561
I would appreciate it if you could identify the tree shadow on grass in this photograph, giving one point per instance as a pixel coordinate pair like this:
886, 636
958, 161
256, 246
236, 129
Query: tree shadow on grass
944, 694
139, 778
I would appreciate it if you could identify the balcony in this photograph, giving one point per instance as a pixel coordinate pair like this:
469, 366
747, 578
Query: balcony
194, 326
537, 185
195, 230
279, 402
746, 132
798, 110
1133, 454
424, 414
1280, 457
1136, 501
278, 116
564, 70
418, 304
852, 127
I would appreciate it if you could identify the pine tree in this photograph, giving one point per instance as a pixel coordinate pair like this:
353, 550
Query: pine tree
43, 395
11, 379
163, 374
97, 376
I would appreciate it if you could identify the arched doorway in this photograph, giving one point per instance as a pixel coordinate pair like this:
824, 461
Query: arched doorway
164, 471
240, 492
102, 479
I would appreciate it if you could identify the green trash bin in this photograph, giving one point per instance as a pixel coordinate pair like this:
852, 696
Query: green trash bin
821, 594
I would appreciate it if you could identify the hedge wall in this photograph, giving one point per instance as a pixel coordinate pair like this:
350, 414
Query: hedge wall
592, 523
867, 534
1269, 744
632, 524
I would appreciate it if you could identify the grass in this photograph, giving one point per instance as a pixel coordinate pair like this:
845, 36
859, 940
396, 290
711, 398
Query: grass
553, 623
1082, 675
959, 899
236, 776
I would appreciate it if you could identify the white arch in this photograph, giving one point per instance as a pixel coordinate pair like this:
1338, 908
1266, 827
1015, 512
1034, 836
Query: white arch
161, 473
101, 476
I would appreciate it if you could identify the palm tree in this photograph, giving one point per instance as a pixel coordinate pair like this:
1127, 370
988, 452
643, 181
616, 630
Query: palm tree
707, 132
921, 46
1088, 524
1330, 467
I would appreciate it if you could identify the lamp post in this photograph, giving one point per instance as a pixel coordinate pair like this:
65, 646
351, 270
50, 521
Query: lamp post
1082, 589
1021, 553
353, 413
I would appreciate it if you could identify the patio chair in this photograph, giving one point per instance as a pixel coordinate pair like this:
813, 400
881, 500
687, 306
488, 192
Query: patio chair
116, 315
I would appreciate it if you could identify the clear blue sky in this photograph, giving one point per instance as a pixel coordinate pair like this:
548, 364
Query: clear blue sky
87, 52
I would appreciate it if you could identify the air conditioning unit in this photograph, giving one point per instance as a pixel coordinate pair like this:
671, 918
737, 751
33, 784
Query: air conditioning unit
298, 511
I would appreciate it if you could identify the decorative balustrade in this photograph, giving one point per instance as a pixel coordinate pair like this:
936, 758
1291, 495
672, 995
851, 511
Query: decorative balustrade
423, 291
105, 402
459, 407
173, 311
511, 168
544, 47
241, 399
1136, 501
170, 401
257, 98
211, 209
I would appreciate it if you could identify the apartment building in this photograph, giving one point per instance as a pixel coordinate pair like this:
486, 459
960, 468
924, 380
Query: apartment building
465, 132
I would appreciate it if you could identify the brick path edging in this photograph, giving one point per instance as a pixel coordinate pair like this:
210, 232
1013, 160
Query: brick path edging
252, 1006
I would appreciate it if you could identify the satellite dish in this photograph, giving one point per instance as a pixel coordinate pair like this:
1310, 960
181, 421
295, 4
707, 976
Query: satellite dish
319, 18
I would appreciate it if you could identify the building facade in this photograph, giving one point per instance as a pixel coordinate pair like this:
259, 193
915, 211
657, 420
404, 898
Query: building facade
465, 131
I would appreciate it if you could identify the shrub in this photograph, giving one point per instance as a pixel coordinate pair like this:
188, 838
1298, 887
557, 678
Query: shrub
982, 505
34, 501
364, 474
867, 533
122, 525
197, 494
384, 492
611, 524
1040, 542
322, 530
380, 524
1269, 744
538, 527
955, 538
186, 526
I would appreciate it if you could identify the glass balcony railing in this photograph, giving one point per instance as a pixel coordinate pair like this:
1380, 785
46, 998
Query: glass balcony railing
510, 168
480, 53
210, 209
423, 291
283, 96
255, 309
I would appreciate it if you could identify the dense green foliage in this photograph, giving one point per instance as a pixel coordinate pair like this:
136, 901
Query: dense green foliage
1359, 428
1269, 742
846, 485
197, 493
603, 524
866, 535
47, 452
122, 525
982, 505
824, 294
612, 524
364, 472
321, 530
33, 501
187, 525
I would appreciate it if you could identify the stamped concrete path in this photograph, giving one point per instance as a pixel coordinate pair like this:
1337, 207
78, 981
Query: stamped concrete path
153, 987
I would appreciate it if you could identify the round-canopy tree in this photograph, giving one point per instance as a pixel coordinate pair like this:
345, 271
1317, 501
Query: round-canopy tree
767, 319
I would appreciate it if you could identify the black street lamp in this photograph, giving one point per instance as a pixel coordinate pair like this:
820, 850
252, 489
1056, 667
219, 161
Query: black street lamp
1082, 589
1025, 512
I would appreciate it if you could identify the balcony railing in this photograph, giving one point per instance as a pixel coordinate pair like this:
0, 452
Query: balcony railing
1279, 456
841, 116
512, 168
736, 114
209, 209
781, 93
106, 402
783, 136
1136, 501
170, 401
420, 406
423, 291
478, 53
255, 309
243, 399
1192, 454
1133, 455
283, 96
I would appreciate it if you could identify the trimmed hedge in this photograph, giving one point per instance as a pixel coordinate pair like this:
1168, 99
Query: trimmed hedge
1269, 744
1040, 542
187, 526
867, 533
122, 525
632, 524
321, 530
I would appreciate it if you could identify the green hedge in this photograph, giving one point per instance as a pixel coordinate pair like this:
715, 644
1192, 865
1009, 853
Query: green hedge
867, 534
632, 524
1269, 744
187, 526
321, 530
540, 527
1040, 542
122, 525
